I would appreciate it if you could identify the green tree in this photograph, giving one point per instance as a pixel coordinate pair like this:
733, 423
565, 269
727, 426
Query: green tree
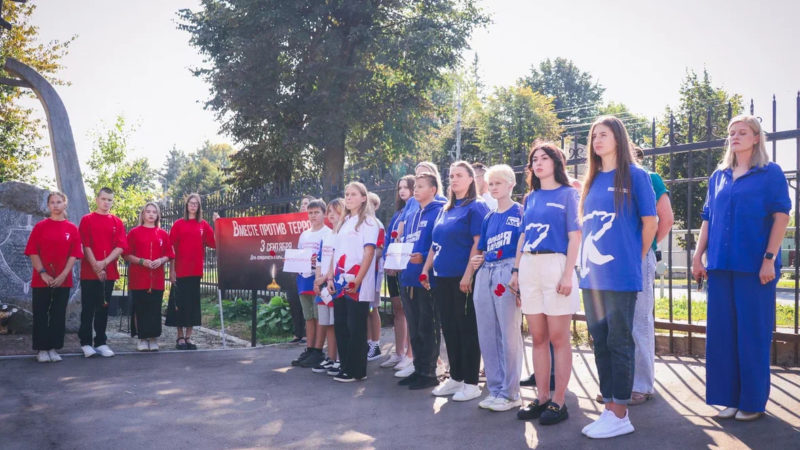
295, 82
576, 96
176, 160
515, 117
639, 127
132, 180
20, 151
204, 173
698, 99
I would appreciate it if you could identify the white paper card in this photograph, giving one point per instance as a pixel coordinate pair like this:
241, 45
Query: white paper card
397, 255
297, 260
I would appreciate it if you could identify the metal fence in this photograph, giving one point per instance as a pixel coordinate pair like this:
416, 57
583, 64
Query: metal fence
684, 166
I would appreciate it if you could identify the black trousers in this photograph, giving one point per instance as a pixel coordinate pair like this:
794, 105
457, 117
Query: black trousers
460, 329
423, 328
296, 309
146, 317
49, 317
185, 310
350, 327
95, 295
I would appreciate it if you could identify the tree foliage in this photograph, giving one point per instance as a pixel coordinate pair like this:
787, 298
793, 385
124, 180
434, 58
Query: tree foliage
204, 171
132, 180
20, 128
307, 82
576, 96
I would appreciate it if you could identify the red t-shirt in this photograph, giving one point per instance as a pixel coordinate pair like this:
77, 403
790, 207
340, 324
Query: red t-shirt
189, 239
147, 243
102, 233
54, 241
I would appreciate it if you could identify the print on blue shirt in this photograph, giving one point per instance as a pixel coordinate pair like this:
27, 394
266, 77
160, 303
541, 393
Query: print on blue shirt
420, 230
453, 237
500, 234
550, 215
611, 252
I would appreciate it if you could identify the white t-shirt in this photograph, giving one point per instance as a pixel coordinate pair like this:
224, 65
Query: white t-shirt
326, 256
349, 253
490, 201
311, 240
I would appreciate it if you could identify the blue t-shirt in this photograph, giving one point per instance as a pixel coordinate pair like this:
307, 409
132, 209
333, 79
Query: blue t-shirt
550, 215
419, 231
739, 214
393, 228
611, 254
500, 233
453, 236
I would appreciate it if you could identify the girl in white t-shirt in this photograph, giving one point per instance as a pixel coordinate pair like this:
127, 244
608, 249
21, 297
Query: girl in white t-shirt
353, 281
324, 300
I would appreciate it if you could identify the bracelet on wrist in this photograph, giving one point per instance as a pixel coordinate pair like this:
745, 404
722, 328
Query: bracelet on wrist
515, 270
141, 261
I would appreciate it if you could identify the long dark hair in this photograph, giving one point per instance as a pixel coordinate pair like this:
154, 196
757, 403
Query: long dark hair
559, 165
622, 176
472, 192
399, 203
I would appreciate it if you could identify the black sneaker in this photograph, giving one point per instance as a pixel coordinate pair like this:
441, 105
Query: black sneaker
532, 411
315, 357
334, 368
323, 366
409, 379
297, 340
374, 352
553, 414
302, 357
424, 382
531, 382
344, 378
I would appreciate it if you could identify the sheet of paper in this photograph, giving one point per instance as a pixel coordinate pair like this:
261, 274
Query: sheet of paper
397, 255
297, 260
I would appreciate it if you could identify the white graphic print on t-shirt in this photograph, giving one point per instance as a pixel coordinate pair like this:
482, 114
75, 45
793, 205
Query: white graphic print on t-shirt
589, 251
542, 229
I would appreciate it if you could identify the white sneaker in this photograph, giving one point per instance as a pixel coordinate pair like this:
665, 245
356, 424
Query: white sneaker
405, 361
504, 404
405, 372
53, 355
727, 413
392, 360
467, 392
105, 351
603, 415
486, 402
43, 356
449, 387
142, 346
611, 426
88, 351
153, 343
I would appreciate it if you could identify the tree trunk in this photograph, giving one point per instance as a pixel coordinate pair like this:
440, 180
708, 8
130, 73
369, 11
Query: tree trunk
332, 176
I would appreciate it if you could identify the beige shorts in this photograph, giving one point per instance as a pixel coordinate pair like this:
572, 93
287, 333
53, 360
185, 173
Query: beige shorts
325, 314
538, 277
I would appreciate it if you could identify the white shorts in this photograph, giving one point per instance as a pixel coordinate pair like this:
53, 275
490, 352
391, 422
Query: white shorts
325, 314
538, 277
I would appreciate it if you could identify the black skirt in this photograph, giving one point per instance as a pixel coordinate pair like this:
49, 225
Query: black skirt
146, 317
183, 308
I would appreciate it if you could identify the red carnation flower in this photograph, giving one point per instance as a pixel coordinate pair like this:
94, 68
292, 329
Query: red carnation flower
351, 285
499, 294
423, 277
500, 253
394, 234
272, 253
499, 290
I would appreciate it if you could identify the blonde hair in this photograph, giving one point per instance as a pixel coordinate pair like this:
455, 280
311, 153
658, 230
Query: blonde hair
158, 213
364, 211
433, 170
760, 157
375, 200
501, 171
59, 194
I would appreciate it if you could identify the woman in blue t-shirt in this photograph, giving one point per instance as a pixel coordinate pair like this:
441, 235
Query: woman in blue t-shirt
618, 208
496, 306
744, 221
545, 275
455, 241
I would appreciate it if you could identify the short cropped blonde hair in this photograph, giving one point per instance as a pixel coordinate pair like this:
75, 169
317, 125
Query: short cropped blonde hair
503, 172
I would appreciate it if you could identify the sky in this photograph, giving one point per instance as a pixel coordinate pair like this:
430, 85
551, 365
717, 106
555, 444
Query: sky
129, 58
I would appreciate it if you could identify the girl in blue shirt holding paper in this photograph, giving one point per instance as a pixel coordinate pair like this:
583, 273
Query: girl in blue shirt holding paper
455, 241
744, 221
545, 276
497, 306
618, 208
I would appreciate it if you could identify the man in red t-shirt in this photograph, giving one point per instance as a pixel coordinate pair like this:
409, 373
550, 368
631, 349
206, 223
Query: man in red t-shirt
103, 238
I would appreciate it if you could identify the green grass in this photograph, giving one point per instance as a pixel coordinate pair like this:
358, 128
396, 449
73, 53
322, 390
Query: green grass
784, 314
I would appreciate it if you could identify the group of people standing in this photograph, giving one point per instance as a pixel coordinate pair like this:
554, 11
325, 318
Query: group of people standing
99, 241
477, 267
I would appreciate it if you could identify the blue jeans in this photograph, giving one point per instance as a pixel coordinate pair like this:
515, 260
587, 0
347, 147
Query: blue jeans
609, 315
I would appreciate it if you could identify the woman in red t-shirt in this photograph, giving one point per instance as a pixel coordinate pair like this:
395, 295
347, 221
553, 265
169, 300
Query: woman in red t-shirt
190, 236
149, 248
53, 246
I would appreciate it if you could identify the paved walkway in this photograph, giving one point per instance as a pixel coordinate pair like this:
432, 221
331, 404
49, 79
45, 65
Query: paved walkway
253, 398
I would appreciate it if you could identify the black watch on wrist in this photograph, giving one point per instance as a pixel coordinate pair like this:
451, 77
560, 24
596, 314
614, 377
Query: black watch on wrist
515, 270
769, 256
42, 270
